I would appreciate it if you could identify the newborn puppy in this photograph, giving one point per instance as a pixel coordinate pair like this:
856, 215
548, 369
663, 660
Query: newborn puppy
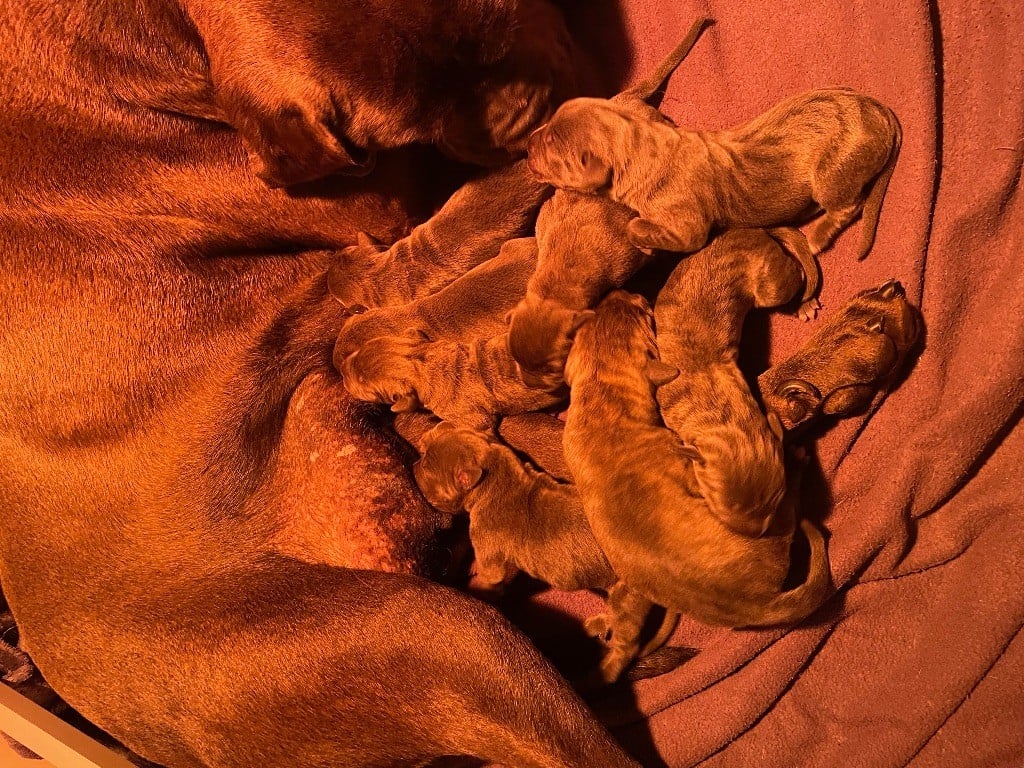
849, 363
832, 150
470, 385
582, 253
471, 307
699, 317
523, 520
641, 496
470, 228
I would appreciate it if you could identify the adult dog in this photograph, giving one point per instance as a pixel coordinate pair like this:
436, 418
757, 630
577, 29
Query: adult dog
178, 472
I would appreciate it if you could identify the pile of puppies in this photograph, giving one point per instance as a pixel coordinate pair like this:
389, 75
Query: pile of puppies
681, 492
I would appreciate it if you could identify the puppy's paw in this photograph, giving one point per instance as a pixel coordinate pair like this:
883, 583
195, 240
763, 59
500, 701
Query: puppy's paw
808, 310
485, 589
599, 626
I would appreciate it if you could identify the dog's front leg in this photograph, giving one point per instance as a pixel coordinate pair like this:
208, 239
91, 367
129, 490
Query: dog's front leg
469, 229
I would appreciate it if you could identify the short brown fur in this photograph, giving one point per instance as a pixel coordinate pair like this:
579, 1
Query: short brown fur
651, 521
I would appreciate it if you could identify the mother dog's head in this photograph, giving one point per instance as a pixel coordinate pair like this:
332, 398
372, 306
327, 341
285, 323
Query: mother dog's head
317, 87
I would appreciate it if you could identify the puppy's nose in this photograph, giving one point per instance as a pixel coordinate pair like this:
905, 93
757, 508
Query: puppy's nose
891, 289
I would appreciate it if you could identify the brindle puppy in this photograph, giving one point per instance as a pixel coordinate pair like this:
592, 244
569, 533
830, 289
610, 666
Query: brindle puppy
829, 149
471, 307
582, 253
699, 316
470, 385
642, 499
851, 361
523, 520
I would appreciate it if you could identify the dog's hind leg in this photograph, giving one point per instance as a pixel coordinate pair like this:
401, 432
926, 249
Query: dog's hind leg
285, 663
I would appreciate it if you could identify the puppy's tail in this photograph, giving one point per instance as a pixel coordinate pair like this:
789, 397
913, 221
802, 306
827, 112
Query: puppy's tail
797, 604
873, 203
655, 81
655, 660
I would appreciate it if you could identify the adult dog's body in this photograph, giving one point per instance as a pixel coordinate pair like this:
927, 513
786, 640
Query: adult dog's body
178, 475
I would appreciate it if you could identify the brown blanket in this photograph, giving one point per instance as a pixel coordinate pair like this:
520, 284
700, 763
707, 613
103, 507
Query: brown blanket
917, 660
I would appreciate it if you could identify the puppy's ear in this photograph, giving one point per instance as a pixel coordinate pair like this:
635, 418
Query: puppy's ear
597, 173
417, 334
690, 451
439, 429
848, 400
660, 373
801, 397
366, 240
403, 403
468, 475
508, 316
579, 319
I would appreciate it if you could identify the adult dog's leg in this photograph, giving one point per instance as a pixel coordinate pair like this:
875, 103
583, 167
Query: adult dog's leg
469, 229
342, 652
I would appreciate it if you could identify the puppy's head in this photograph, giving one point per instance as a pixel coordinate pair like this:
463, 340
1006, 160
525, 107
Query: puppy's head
617, 342
383, 371
540, 335
512, 94
574, 149
452, 463
849, 363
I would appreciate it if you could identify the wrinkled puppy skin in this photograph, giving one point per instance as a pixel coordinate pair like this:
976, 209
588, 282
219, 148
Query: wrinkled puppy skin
831, 150
699, 316
470, 385
471, 307
582, 253
523, 520
642, 500
849, 363
470, 228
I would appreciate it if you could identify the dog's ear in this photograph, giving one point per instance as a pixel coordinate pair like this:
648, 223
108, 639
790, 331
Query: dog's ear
403, 403
848, 400
295, 143
597, 174
579, 319
801, 397
417, 334
467, 477
690, 451
438, 429
660, 373
508, 316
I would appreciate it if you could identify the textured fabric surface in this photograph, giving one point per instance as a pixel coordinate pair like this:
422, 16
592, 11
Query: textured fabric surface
917, 660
